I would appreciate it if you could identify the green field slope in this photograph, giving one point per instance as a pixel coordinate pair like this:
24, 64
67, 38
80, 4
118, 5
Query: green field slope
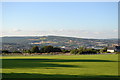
60, 66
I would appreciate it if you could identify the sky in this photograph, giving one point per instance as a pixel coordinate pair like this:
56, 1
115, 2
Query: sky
73, 19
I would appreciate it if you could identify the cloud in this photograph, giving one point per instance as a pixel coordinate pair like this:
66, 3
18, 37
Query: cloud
115, 30
16, 30
97, 33
63, 32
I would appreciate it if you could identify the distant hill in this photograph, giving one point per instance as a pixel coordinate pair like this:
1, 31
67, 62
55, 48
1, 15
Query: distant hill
58, 41
26, 39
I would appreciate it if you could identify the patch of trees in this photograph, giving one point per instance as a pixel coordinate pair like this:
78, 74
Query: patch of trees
104, 50
49, 49
83, 50
16, 52
36, 49
5, 51
65, 51
45, 49
8, 52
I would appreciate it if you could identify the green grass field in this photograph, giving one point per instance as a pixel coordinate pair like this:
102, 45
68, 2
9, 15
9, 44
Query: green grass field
60, 66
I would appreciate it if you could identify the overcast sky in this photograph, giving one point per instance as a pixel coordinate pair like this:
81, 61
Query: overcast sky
75, 19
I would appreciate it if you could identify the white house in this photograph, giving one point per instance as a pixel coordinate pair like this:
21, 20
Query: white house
111, 50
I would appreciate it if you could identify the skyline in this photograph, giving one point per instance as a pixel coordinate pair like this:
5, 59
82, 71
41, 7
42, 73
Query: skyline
72, 19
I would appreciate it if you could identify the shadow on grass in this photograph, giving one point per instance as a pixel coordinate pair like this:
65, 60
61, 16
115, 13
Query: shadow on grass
26, 64
56, 76
62, 60
31, 63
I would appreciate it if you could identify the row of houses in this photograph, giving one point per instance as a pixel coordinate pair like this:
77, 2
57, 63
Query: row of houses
113, 49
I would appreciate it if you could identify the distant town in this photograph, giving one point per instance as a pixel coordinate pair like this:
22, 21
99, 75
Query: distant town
68, 43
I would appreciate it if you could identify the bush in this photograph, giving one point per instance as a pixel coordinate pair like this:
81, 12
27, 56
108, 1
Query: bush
56, 49
16, 52
104, 50
83, 50
5, 51
27, 51
74, 51
65, 51
35, 49
48, 49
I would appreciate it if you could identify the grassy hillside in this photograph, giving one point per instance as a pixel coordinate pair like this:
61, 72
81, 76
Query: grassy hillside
72, 66
57, 39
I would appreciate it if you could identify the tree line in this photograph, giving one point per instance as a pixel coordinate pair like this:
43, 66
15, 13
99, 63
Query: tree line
36, 49
83, 50
49, 49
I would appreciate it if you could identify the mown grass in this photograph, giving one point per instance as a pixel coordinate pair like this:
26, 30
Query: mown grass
60, 66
